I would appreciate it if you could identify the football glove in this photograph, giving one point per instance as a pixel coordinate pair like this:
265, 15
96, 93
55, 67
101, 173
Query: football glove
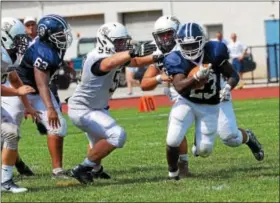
203, 72
225, 93
140, 50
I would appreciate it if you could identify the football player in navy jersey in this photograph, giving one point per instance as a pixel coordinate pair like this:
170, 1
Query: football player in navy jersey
165, 30
41, 60
200, 105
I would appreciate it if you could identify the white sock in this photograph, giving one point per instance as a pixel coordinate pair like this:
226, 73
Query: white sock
183, 157
7, 173
57, 170
96, 168
173, 174
89, 163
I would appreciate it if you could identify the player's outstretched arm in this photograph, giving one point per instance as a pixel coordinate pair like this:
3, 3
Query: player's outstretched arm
9, 91
152, 78
24, 90
141, 62
121, 58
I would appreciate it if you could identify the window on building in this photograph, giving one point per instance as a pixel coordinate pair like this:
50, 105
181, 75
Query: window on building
213, 29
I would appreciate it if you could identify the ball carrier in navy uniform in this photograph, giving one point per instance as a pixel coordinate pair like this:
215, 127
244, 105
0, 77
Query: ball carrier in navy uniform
41, 60
201, 105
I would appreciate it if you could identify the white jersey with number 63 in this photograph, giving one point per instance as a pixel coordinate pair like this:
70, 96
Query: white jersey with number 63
94, 92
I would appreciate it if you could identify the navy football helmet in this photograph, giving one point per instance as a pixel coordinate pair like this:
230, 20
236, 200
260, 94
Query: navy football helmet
55, 30
191, 39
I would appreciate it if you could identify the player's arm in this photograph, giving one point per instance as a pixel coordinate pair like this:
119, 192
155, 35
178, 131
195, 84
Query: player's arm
9, 91
152, 78
42, 78
177, 69
228, 71
144, 61
181, 82
125, 57
23, 90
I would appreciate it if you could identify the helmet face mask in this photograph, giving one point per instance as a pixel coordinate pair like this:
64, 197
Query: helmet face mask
121, 44
165, 39
21, 43
13, 37
62, 40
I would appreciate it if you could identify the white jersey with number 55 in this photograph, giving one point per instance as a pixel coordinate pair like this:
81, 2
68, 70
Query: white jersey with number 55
94, 92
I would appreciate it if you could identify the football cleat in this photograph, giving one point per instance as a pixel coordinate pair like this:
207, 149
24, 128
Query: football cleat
100, 174
82, 174
23, 169
10, 186
255, 145
173, 175
194, 151
61, 175
183, 169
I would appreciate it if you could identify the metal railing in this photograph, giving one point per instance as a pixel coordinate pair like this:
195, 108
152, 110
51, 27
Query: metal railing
272, 52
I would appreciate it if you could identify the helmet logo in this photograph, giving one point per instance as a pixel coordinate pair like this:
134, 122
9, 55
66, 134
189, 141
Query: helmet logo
7, 26
105, 31
42, 29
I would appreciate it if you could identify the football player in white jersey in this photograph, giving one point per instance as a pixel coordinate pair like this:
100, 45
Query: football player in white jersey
13, 43
165, 29
100, 77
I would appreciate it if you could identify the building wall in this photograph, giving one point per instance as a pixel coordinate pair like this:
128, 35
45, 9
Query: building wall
244, 18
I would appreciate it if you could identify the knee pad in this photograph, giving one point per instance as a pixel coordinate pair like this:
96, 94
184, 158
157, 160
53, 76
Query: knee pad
116, 136
10, 136
173, 141
233, 139
205, 149
60, 131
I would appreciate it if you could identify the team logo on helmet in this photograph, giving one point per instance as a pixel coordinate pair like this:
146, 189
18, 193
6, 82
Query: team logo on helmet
105, 31
7, 26
42, 29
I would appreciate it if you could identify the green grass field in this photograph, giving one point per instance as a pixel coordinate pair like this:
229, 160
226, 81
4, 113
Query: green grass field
139, 170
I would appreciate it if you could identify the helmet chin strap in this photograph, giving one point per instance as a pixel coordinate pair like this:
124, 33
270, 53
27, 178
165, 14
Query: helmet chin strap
200, 60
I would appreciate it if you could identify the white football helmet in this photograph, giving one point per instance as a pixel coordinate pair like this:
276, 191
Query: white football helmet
13, 36
165, 30
112, 37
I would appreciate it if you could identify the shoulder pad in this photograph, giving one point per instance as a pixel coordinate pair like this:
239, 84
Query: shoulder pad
44, 57
173, 59
217, 51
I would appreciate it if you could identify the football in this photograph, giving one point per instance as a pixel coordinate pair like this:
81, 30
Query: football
198, 84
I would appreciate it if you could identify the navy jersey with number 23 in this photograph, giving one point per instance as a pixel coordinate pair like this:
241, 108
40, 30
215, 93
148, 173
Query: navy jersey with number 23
215, 53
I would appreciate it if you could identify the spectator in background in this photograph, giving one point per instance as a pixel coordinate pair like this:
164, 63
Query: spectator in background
237, 53
30, 24
220, 38
129, 74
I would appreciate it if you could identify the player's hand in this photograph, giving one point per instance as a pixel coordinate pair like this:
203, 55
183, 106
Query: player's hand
165, 78
53, 118
225, 93
140, 50
34, 114
24, 90
203, 73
